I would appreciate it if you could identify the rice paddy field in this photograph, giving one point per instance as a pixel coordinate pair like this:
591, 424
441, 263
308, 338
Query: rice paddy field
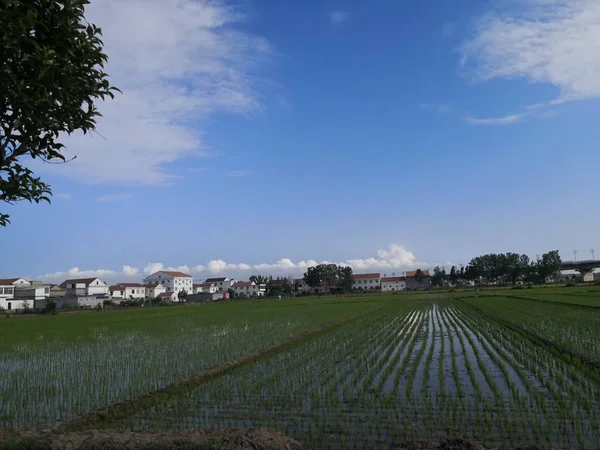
510, 368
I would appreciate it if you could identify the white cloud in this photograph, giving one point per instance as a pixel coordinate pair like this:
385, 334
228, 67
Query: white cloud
494, 120
238, 173
541, 41
104, 274
392, 257
338, 17
113, 197
130, 271
155, 267
176, 62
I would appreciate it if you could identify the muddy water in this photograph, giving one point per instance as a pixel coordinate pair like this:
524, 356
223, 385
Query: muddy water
420, 376
486, 354
388, 385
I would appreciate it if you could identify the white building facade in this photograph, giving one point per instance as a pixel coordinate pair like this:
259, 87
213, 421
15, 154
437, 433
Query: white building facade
222, 283
85, 286
174, 282
8, 286
209, 288
133, 290
393, 284
367, 281
248, 289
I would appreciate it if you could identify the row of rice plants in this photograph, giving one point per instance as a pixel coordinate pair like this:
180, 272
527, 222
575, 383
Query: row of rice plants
558, 405
329, 390
52, 382
574, 328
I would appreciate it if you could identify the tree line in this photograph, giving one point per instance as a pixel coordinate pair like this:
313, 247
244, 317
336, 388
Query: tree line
502, 268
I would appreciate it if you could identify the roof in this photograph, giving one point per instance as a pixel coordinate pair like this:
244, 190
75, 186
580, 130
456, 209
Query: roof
391, 279
151, 286
203, 285
412, 273
130, 285
212, 280
165, 294
175, 273
85, 281
244, 283
362, 276
5, 281
115, 288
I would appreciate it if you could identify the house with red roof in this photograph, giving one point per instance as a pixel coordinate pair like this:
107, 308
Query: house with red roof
389, 284
248, 289
366, 281
173, 281
415, 283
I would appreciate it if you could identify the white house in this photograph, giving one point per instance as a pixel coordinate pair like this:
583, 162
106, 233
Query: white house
85, 286
393, 284
173, 281
32, 292
116, 292
133, 290
222, 283
154, 290
7, 293
248, 289
300, 286
209, 288
366, 281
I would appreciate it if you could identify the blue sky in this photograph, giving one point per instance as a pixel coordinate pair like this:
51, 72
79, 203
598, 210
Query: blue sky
263, 136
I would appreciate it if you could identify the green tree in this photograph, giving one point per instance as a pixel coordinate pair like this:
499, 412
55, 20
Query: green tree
549, 266
51, 75
346, 278
419, 275
182, 296
314, 276
438, 277
259, 279
453, 275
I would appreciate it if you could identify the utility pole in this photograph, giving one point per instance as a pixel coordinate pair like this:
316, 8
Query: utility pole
575, 255
593, 254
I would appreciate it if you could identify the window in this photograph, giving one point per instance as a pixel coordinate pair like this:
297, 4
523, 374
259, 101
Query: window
370, 281
46, 290
9, 290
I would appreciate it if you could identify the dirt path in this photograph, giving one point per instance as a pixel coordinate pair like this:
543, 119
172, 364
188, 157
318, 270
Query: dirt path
127, 407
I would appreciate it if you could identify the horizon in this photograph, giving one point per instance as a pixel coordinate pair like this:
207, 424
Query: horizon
264, 137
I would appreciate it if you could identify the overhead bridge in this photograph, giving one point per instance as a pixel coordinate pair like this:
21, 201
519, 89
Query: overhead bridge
585, 268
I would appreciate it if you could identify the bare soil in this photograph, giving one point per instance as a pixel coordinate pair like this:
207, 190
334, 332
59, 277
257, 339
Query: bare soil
252, 439
450, 444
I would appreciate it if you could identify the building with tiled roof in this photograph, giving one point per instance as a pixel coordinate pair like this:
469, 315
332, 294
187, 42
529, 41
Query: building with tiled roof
174, 282
366, 281
393, 284
416, 285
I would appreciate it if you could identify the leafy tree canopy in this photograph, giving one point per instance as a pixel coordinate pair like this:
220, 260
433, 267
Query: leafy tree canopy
51, 75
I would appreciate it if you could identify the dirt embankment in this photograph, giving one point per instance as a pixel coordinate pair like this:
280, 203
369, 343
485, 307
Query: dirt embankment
252, 439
